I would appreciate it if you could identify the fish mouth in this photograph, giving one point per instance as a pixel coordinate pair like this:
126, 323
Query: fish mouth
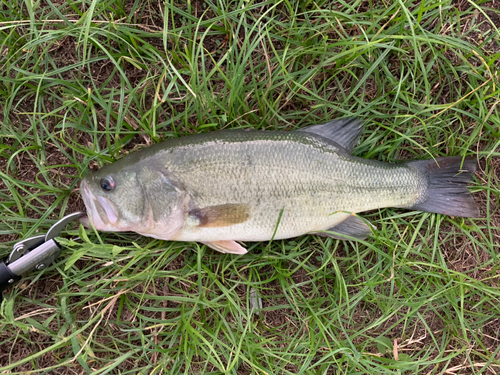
102, 214
85, 221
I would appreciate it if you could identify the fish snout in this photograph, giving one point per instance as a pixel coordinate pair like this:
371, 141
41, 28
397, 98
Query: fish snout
100, 210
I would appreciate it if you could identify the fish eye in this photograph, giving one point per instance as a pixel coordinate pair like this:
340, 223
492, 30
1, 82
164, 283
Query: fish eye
107, 183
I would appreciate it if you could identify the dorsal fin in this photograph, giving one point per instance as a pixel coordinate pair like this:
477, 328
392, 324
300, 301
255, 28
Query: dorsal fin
344, 131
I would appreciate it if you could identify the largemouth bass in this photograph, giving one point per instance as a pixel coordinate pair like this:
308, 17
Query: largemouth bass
229, 186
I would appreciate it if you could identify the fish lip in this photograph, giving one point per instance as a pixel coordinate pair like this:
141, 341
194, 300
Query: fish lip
110, 209
85, 221
93, 216
88, 198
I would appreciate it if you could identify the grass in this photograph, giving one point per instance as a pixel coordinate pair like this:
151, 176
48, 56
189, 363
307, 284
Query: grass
84, 82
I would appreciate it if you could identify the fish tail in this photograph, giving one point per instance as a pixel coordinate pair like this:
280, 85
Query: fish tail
447, 191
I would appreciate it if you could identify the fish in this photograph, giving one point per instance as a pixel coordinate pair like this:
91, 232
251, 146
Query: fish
227, 187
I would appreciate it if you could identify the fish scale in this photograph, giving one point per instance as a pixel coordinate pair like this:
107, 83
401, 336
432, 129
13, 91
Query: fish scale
221, 187
308, 181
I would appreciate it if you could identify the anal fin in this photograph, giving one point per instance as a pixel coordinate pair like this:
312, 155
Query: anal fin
353, 226
226, 247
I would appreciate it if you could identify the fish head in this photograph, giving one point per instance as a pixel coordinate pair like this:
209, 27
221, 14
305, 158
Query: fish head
140, 198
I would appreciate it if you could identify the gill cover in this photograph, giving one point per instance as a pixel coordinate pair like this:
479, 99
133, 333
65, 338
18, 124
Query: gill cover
141, 198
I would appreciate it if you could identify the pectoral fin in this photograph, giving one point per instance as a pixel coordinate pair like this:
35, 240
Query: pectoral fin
223, 215
227, 247
353, 226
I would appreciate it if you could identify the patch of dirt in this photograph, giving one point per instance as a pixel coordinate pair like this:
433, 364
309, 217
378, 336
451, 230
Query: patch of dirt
487, 16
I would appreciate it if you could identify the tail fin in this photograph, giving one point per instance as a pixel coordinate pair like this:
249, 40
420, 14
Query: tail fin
447, 191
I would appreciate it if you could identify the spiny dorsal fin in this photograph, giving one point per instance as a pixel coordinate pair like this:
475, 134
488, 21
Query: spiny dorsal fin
344, 131
353, 226
223, 215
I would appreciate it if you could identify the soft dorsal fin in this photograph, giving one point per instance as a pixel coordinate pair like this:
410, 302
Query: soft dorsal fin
344, 131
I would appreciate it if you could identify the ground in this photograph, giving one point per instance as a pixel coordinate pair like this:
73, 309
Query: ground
84, 83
